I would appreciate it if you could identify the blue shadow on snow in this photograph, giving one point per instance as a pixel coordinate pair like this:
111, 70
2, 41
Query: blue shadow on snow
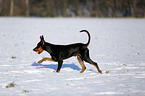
54, 66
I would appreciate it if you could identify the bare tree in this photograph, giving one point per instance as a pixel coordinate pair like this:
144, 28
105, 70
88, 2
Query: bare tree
27, 7
64, 7
12, 8
53, 8
1, 1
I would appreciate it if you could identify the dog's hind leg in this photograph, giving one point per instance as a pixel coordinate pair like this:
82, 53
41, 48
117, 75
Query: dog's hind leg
79, 57
44, 59
93, 63
86, 58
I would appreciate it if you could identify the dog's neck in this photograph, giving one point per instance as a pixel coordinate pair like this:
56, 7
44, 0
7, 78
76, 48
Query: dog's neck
47, 47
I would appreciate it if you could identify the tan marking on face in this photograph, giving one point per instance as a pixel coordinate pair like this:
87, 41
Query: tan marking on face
39, 50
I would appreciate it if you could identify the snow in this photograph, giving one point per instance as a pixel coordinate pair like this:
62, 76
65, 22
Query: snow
117, 45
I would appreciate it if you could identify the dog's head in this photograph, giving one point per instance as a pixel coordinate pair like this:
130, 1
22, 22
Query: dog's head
39, 48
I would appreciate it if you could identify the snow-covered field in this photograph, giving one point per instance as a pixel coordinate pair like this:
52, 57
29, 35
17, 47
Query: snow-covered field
117, 45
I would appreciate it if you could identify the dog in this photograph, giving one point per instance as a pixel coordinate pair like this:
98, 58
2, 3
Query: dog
60, 52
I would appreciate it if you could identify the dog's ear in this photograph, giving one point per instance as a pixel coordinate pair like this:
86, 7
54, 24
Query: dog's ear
42, 39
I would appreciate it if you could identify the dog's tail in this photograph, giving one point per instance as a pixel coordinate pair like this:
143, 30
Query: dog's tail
88, 35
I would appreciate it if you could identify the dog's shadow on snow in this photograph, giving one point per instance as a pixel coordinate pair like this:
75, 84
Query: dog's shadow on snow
54, 66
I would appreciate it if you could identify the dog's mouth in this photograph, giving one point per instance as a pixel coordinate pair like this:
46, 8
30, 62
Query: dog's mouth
38, 52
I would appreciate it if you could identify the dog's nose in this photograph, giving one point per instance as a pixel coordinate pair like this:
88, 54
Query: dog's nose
34, 49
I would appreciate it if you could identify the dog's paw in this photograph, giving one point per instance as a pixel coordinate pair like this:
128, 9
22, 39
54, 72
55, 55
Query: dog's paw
58, 71
39, 62
82, 71
100, 71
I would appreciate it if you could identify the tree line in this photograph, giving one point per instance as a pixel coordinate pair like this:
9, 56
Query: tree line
73, 8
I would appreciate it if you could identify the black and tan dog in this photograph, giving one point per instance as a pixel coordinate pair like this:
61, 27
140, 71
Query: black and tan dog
60, 52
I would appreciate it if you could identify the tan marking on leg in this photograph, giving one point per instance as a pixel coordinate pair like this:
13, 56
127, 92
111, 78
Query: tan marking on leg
58, 71
98, 69
81, 63
44, 59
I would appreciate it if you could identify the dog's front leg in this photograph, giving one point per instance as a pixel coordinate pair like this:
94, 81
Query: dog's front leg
44, 59
59, 66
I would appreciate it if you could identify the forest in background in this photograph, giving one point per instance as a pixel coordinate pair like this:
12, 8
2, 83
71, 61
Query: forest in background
73, 8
